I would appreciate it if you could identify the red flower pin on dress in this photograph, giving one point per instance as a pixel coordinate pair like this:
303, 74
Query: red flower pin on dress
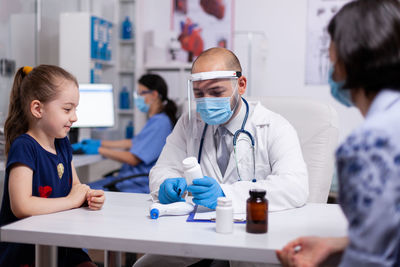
45, 191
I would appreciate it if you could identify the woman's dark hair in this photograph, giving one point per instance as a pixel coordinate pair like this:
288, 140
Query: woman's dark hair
366, 35
41, 83
157, 83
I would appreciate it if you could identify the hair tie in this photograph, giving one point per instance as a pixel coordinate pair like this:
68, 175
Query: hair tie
27, 69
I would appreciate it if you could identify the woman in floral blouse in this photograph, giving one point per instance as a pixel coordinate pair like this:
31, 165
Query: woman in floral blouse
365, 54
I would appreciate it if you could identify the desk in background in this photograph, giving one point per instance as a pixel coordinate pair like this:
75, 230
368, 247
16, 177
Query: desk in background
84, 160
92, 167
124, 225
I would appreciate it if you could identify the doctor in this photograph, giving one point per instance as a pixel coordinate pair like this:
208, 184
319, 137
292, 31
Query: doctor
277, 166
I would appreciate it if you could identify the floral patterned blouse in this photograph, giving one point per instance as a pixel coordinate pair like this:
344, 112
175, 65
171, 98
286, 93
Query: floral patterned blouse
368, 165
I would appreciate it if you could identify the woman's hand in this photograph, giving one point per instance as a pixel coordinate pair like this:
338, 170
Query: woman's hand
77, 195
95, 199
310, 251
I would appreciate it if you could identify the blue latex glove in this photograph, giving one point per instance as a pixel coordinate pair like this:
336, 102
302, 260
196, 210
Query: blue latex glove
89, 146
205, 192
91, 142
90, 149
76, 147
171, 190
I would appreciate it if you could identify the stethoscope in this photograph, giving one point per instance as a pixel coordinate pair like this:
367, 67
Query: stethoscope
235, 137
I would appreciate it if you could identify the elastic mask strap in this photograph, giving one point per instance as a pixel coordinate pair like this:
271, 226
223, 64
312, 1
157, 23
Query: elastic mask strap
236, 90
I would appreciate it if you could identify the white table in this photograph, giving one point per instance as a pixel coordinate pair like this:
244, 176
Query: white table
124, 225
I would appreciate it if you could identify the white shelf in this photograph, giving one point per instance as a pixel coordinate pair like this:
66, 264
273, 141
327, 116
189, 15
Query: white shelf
105, 63
127, 42
169, 66
125, 111
126, 71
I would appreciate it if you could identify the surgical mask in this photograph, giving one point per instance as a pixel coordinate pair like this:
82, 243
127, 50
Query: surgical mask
215, 110
341, 95
141, 105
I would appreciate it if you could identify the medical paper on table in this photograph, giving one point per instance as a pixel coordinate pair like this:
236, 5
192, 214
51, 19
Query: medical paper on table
203, 214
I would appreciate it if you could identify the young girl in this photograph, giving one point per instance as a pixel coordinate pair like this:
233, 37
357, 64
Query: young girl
40, 176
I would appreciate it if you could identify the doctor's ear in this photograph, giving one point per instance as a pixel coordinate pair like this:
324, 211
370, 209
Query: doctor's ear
242, 83
36, 108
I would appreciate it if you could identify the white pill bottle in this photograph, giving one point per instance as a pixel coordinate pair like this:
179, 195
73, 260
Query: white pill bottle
224, 216
191, 170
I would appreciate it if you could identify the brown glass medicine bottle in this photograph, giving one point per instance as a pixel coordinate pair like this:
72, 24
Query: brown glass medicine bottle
257, 212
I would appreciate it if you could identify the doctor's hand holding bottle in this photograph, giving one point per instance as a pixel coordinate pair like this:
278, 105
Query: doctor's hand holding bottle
205, 191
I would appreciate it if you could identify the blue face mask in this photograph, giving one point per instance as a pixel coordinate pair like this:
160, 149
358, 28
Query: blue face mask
141, 105
337, 91
214, 110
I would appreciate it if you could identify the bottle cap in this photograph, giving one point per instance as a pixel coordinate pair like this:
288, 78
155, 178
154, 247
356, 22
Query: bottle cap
189, 162
257, 192
224, 202
154, 213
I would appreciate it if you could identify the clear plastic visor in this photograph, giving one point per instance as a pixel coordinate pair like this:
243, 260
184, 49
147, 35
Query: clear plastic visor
216, 84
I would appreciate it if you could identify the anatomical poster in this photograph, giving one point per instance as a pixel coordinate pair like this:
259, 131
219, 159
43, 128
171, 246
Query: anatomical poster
201, 24
319, 14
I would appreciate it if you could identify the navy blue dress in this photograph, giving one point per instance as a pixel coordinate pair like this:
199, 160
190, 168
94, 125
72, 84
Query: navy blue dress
52, 178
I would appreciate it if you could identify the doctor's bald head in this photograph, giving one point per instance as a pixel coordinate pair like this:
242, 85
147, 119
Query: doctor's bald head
216, 58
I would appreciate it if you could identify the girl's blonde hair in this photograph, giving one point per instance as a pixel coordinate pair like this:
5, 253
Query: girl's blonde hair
40, 83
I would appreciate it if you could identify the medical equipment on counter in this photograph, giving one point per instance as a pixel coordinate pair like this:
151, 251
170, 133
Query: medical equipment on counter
129, 130
126, 32
257, 212
124, 98
176, 208
191, 170
224, 216
235, 139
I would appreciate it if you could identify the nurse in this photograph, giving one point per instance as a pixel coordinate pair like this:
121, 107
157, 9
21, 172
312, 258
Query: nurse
365, 54
141, 153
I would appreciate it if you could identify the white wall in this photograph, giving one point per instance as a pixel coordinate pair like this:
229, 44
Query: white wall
50, 21
284, 24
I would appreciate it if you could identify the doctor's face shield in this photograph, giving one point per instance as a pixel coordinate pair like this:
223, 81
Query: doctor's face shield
215, 95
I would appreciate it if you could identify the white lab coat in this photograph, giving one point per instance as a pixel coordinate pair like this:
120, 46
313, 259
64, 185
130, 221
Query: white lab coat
280, 168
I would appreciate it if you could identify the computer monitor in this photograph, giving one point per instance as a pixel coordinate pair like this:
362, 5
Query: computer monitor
96, 106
